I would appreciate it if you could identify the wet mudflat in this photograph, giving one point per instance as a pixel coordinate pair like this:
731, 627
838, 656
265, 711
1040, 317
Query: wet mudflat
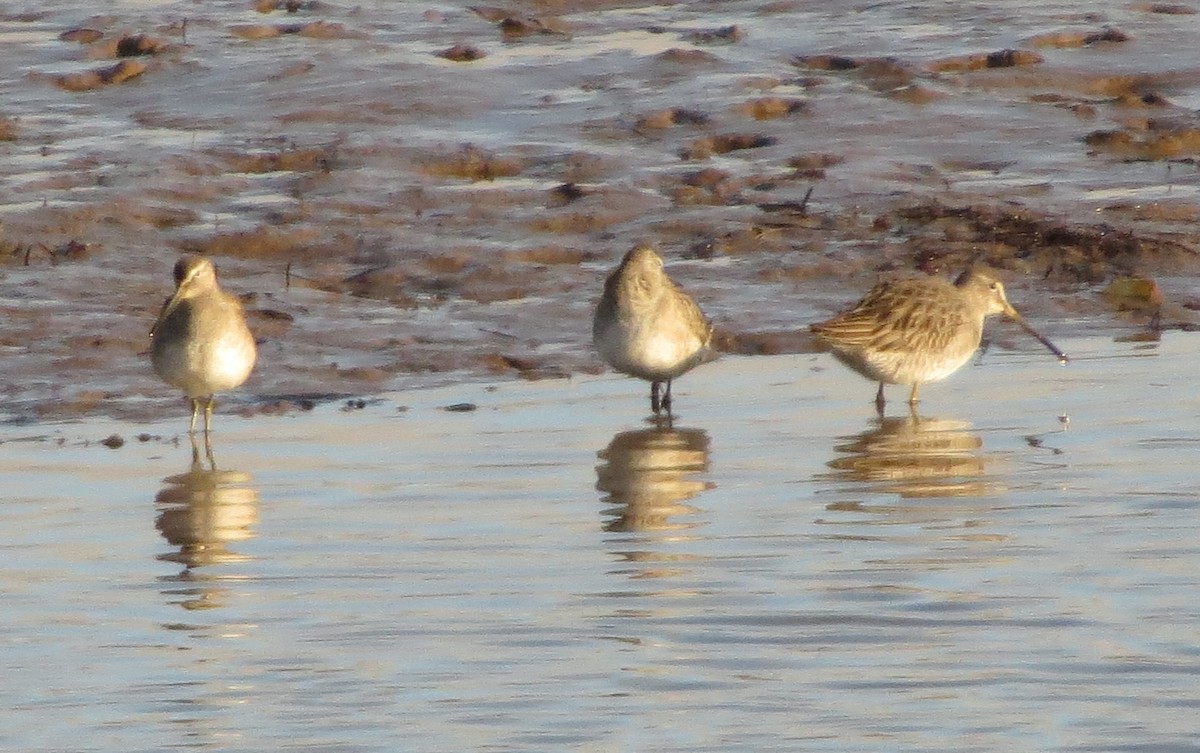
398, 215
780, 571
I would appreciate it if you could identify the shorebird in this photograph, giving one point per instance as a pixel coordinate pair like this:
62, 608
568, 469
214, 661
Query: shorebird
918, 330
647, 327
200, 342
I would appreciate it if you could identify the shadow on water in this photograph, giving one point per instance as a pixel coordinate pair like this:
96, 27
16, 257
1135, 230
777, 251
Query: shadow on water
916, 457
648, 477
202, 512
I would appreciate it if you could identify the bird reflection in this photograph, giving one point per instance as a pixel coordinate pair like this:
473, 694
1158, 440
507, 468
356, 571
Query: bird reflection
648, 476
915, 457
202, 512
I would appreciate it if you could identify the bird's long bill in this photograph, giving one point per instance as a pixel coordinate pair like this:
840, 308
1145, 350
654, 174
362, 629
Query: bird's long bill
1012, 314
168, 306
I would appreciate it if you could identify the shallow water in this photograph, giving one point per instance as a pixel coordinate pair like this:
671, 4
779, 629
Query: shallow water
339, 160
1015, 570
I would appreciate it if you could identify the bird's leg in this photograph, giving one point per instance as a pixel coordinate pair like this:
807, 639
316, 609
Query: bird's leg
666, 401
208, 409
879, 401
195, 401
912, 396
655, 404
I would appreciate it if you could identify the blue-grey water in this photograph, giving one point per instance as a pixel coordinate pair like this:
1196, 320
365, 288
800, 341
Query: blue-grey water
1013, 569
328, 162
1016, 568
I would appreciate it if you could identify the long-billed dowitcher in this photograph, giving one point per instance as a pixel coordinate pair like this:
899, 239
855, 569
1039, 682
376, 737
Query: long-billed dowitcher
918, 330
200, 342
647, 327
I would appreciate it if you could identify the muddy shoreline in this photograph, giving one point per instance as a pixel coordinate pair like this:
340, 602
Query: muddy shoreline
399, 213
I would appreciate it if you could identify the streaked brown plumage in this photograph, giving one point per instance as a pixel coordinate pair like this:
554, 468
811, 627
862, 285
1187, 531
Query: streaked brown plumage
918, 330
647, 327
200, 342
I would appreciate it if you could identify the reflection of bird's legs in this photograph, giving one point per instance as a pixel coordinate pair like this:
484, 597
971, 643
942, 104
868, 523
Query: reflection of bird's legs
208, 452
195, 452
664, 421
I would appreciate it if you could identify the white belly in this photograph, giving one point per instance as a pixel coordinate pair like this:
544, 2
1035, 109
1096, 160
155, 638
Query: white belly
203, 368
655, 356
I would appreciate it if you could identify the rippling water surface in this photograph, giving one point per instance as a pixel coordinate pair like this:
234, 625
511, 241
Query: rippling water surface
1013, 569
399, 220
780, 570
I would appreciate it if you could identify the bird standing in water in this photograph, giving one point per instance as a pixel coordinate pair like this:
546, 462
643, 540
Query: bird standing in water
647, 327
200, 342
918, 330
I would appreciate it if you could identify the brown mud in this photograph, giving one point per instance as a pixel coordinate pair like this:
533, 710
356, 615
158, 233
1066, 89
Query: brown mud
409, 195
